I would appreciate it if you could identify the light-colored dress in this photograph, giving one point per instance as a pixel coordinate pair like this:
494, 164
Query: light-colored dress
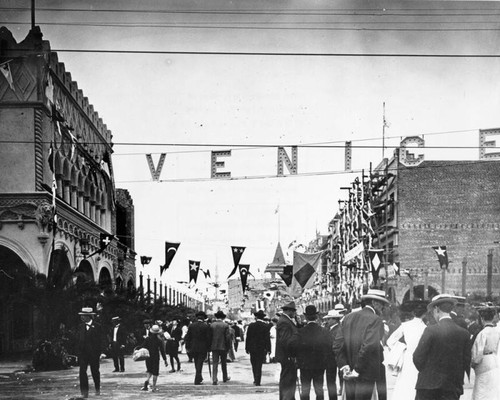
272, 334
485, 364
407, 378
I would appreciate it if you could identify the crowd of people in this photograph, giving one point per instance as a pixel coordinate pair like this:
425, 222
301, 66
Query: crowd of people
430, 352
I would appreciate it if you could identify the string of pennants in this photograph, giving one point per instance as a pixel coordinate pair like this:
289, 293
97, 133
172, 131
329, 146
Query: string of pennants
395, 268
298, 276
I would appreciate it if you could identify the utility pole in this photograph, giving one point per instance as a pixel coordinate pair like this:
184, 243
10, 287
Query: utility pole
32, 14
489, 273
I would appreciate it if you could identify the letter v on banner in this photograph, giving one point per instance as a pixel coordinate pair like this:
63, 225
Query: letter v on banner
156, 172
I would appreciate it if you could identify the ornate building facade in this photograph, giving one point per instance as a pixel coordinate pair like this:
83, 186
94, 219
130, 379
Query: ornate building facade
57, 191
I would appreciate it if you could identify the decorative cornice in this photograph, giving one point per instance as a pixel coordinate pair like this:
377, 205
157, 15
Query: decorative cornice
450, 226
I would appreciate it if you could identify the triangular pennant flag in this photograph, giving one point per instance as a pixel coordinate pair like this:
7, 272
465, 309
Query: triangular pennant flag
442, 256
194, 268
305, 267
397, 268
170, 252
5, 68
237, 253
287, 274
104, 241
207, 274
376, 262
145, 260
244, 271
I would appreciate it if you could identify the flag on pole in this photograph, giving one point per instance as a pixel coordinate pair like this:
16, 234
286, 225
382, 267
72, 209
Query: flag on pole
104, 241
145, 260
194, 268
244, 271
237, 253
170, 252
269, 294
5, 68
305, 269
442, 256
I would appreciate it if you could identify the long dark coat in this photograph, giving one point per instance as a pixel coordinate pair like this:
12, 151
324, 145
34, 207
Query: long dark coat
359, 343
442, 356
310, 345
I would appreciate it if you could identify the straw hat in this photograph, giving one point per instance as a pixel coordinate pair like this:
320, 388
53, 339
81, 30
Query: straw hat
440, 299
375, 294
333, 314
87, 311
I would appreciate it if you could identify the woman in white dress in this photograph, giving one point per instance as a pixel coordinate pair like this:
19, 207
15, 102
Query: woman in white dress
484, 358
408, 332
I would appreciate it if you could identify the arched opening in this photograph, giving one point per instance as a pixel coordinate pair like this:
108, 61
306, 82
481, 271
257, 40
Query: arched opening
105, 281
83, 275
418, 293
60, 275
119, 284
16, 305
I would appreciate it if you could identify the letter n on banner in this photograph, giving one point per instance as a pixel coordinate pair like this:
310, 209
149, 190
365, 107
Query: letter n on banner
283, 158
219, 164
156, 172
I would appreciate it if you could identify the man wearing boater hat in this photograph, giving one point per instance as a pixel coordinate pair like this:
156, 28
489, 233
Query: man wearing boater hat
258, 344
442, 354
361, 355
89, 348
285, 329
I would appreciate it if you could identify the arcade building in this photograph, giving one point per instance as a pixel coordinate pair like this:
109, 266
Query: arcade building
57, 194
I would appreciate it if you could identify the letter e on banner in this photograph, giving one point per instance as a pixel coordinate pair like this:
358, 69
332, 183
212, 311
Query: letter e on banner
219, 164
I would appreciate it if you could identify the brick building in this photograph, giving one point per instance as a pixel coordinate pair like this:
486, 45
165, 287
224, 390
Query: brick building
439, 203
57, 192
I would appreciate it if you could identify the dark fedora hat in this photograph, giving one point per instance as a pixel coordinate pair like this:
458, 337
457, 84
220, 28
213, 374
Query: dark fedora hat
311, 310
201, 315
260, 314
219, 315
289, 306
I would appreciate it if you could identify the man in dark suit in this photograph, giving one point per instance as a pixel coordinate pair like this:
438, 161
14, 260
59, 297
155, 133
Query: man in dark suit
285, 329
221, 341
310, 345
360, 353
332, 325
442, 354
258, 345
118, 341
89, 351
198, 339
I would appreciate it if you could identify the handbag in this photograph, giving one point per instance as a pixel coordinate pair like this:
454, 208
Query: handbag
140, 354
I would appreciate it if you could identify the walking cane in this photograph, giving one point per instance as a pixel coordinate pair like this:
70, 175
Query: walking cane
209, 366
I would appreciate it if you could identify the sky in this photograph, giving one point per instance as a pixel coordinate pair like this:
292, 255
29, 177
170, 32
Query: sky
248, 76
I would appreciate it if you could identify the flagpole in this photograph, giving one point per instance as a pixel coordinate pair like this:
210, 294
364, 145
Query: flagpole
383, 131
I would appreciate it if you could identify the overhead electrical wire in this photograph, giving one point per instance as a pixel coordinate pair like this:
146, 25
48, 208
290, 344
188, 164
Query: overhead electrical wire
414, 12
243, 26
